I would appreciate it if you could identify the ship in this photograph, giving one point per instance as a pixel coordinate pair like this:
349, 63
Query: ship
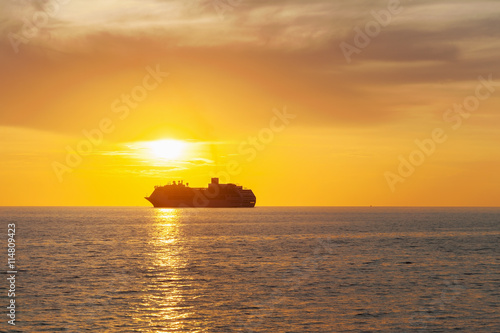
177, 194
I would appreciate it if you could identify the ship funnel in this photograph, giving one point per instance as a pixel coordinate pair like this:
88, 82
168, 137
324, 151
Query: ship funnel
215, 181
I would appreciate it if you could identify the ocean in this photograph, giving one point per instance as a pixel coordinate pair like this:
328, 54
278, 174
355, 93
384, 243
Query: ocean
263, 269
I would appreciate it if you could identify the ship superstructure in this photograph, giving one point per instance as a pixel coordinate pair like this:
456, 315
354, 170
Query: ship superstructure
178, 194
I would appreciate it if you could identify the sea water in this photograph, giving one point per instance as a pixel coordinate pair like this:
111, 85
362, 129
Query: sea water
263, 269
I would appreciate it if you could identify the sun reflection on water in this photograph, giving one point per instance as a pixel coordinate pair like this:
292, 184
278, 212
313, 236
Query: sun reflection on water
166, 226
164, 301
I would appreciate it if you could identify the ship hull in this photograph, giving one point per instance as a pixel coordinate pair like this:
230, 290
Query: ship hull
158, 203
178, 195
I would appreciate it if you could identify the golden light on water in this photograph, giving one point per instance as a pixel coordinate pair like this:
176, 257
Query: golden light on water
166, 226
166, 215
167, 260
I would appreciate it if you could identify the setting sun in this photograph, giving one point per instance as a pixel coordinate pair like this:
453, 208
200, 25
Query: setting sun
166, 149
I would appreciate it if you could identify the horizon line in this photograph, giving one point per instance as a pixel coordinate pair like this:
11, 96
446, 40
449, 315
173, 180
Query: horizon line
305, 206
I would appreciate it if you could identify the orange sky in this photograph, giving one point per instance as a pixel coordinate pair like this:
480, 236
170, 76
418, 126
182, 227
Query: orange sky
314, 102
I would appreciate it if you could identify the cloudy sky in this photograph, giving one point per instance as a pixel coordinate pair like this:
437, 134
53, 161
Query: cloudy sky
364, 80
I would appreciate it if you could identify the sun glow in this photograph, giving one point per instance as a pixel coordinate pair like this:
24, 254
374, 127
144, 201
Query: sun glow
166, 149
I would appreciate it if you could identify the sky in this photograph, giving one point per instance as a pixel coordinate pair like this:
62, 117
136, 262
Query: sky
318, 102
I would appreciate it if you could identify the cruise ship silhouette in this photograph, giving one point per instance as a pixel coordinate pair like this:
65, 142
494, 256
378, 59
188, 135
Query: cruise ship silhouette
178, 194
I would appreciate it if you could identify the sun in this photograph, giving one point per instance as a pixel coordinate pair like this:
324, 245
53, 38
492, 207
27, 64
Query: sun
166, 149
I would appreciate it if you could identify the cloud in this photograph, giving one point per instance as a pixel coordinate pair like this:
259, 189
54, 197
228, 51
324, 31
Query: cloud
260, 55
